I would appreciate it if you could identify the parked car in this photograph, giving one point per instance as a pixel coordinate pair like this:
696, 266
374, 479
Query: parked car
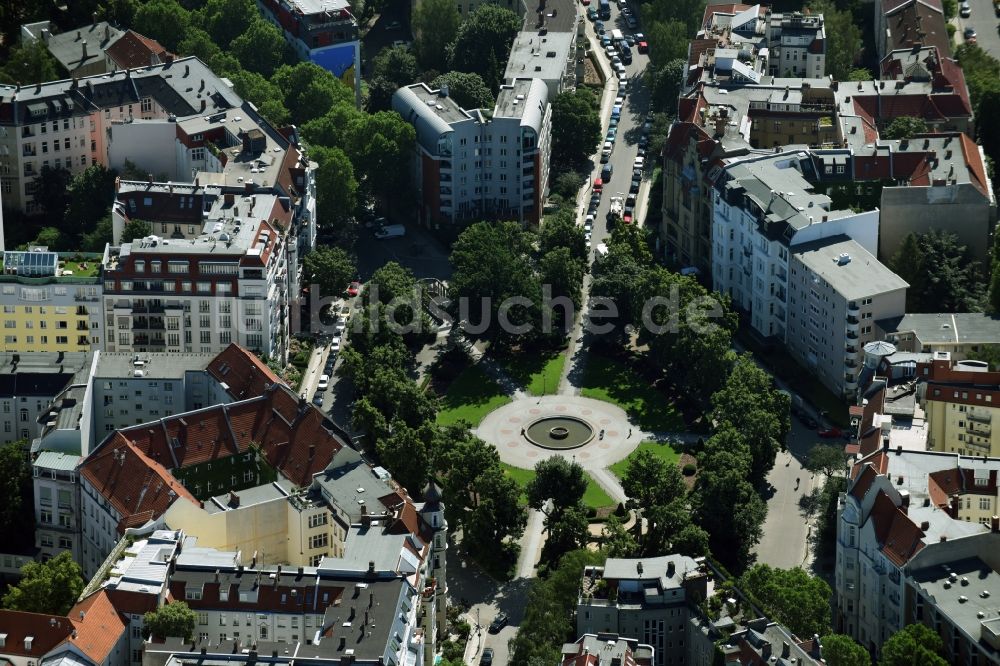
487, 658
606, 172
630, 39
631, 22
620, 100
605, 41
318, 399
354, 288
498, 623
965, 9
620, 70
634, 186
598, 185
616, 111
599, 25
612, 135
585, 3
324, 383
970, 34
643, 47
335, 345
808, 421
592, 14
831, 433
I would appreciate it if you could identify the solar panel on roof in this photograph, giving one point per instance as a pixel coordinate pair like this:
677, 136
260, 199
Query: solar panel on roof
37, 264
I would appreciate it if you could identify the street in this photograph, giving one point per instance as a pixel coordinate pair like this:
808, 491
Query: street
984, 20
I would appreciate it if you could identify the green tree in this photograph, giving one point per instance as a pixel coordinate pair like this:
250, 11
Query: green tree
483, 41
260, 48
336, 186
309, 90
558, 481
576, 127
665, 84
492, 262
435, 25
790, 596
226, 20
941, 273
567, 530
751, 405
198, 43
163, 20
262, 93
668, 41
392, 69
616, 540
905, 127
90, 194
688, 13
15, 486
52, 193
913, 644
28, 64
467, 89
134, 229
562, 231
380, 146
860, 74
982, 72
331, 268
843, 38
826, 459
50, 587
842, 650
563, 274
406, 453
99, 237
49, 237
173, 620
649, 481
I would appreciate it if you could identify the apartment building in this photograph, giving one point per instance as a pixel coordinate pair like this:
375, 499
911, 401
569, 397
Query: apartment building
905, 24
648, 600
964, 335
81, 52
57, 504
762, 642
797, 44
50, 302
323, 32
606, 650
229, 284
472, 164
546, 55
763, 209
28, 382
836, 291
958, 398
916, 530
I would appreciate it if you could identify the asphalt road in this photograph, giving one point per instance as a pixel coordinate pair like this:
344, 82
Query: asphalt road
984, 20
629, 132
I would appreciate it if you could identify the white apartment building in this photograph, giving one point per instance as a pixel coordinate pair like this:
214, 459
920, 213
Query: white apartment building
229, 284
837, 290
762, 209
797, 44
470, 164
909, 520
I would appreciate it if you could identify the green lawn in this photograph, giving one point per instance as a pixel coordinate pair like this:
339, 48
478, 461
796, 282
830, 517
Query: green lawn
595, 497
77, 269
538, 374
660, 450
470, 397
613, 381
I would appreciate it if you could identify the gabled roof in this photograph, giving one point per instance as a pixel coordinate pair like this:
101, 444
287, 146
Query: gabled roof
243, 373
133, 50
898, 536
98, 628
46, 632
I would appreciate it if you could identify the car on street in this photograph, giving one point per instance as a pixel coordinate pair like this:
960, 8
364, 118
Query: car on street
592, 14
647, 127
585, 3
595, 199
965, 9
634, 186
393, 25
498, 623
643, 47
340, 326
354, 288
616, 111
606, 172
831, 433
613, 123
619, 70
335, 346
612, 135
328, 368
487, 658
631, 22
970, 34
630, 39
620, 100
637, 173
401, 42
324, 383
598, 185
642, 151
606, 152
610, 50
318, 399
615, 60
599, 25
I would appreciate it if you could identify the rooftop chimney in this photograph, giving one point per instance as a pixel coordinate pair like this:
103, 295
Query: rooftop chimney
995, 524
84, 49
93, 19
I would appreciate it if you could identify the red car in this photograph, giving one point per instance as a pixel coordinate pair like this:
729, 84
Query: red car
831, 433
585, 2
354, 288
627, 218
643, 47
598, 185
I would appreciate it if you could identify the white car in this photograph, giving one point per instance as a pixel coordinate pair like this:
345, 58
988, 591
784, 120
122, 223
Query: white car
620, 100
616, 61
588, 221
623, 83
610, 50
340, 326
335, 345
620, 70
324, 383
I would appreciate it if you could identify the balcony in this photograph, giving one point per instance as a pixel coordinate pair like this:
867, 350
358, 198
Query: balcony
28, 151
850, 362
980, 429
852, 320
852, 335
980, 418
852, 329
853, 309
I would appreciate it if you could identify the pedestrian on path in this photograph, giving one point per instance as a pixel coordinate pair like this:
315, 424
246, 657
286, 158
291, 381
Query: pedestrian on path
629, 434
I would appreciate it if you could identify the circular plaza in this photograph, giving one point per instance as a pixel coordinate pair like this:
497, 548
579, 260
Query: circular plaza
594, 433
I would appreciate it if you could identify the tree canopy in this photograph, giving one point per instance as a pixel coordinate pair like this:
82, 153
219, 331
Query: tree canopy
793, 597
905, 127
841, 650
173, 620
332, 268
940, 271
913, 644
50, 587
15, 487
843, 38
483, 41
435, 25
576, 126
467, 89
826, 459
28, 64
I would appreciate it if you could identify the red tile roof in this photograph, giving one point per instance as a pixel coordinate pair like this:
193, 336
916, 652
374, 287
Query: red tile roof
46, 631
245, 375
131, 468
898, 536
133, 50
726, 8
863, 482
100, 627
974, 163
132, 603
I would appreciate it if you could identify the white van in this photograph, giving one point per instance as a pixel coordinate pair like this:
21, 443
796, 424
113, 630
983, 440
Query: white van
639, 163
